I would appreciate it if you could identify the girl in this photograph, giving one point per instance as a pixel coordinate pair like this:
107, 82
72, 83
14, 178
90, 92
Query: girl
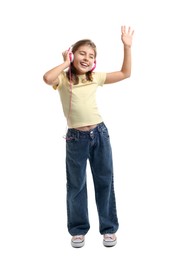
87, 136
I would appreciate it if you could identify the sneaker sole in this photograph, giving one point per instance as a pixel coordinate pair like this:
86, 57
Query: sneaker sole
77, 244
109, 243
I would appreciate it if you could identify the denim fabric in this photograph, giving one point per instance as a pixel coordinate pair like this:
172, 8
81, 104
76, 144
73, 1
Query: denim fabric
94, 146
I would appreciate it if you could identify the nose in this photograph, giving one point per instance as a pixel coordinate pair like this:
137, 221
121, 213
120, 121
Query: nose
86, 57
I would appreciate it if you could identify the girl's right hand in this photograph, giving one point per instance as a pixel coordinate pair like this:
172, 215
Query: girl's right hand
66, 57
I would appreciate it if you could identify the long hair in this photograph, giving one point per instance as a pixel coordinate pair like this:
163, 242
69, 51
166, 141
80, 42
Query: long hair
72, 73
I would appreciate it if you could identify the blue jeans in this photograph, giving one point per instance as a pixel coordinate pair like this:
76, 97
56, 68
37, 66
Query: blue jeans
94, 146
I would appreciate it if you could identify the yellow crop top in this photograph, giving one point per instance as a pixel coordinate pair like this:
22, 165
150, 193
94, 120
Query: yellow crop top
79, 101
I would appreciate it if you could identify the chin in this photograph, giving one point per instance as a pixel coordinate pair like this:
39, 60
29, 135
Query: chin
83, 71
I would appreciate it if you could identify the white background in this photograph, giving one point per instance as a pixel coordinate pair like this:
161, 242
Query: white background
142, 114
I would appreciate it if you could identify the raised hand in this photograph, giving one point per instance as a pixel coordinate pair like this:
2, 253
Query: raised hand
127, 35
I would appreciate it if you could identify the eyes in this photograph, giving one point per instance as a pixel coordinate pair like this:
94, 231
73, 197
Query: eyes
83, 53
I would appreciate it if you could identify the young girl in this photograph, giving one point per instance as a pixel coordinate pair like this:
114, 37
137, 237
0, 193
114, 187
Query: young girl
87, 136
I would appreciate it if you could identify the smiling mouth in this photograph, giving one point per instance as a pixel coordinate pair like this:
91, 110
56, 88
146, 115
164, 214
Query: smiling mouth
83, 64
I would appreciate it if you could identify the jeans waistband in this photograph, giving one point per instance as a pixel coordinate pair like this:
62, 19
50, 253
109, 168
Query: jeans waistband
84, 134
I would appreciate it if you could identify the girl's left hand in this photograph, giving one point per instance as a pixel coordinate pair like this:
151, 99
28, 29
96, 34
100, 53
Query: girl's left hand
126, 36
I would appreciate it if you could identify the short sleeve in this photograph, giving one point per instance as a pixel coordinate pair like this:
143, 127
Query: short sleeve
100, 78
61, 79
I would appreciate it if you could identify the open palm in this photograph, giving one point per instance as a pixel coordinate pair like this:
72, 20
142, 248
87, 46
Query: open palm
127, 35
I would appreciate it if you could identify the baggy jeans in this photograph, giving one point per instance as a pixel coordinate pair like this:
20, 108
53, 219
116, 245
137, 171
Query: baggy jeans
94, 146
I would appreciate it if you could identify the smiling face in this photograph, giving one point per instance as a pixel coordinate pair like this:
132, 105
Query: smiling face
84, 58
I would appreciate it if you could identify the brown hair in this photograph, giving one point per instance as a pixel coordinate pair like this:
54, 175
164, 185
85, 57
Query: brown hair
72, 70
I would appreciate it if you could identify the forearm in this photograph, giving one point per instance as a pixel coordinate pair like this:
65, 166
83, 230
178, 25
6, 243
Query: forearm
51, 76
125, 71
126, 65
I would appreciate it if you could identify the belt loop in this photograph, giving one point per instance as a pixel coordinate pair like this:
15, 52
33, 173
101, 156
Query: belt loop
99, 127
77, 135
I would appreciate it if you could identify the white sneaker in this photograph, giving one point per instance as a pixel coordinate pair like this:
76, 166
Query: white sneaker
77, 241
109, 240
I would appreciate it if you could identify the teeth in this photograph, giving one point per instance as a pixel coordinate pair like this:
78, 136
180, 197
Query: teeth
84, 64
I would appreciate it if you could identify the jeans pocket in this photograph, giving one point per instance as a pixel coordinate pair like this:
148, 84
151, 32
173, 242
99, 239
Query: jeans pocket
70, 137
105, 132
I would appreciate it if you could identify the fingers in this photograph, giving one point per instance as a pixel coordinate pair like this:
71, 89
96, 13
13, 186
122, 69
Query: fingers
124, 30
65, 54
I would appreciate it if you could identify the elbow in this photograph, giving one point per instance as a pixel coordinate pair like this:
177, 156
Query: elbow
127, 75
46, 79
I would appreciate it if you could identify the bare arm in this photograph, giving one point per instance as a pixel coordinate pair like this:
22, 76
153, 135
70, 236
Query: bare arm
125, 71
51, 76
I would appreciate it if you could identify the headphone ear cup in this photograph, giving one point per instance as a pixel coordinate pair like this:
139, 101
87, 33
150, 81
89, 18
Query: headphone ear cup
94, 66
71, 56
